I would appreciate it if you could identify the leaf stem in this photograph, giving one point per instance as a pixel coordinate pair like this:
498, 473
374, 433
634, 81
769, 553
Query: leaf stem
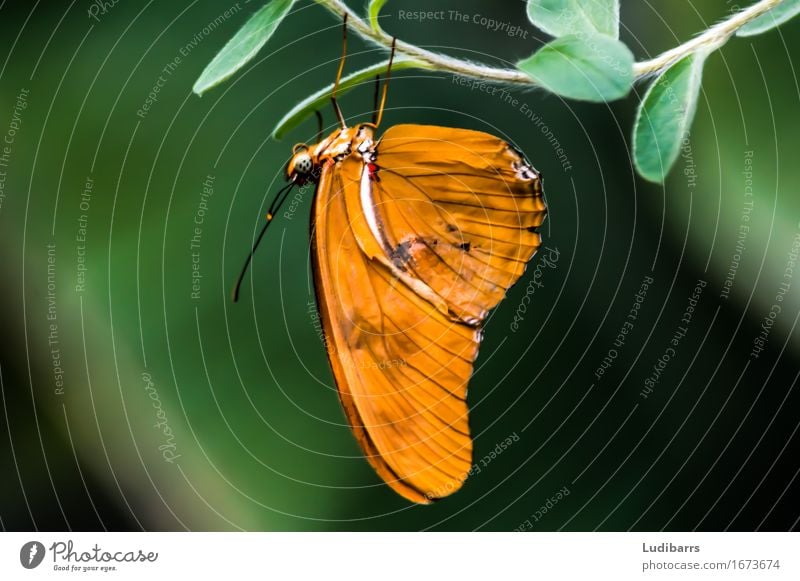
710, 40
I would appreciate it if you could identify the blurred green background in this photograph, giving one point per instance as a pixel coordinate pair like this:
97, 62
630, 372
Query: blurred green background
130, 403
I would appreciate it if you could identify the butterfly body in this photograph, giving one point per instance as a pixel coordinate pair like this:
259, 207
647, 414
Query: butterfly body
416, 236
307, 161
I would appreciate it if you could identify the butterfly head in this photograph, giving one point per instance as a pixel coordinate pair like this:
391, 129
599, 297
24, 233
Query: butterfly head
302, 166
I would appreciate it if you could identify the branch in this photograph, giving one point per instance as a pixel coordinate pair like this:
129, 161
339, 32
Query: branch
708, 41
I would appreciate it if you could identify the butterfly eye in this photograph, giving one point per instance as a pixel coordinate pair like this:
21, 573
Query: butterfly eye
300, 166
303, 164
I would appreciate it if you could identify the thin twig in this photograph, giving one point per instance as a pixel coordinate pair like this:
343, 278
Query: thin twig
708, 41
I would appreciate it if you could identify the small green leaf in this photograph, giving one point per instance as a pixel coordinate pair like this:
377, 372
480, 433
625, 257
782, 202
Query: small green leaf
374, 9
575, 17
244, 45
664, 117
772, 19
307, 106
593, 68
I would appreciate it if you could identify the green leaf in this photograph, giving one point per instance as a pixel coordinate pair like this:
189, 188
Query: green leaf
575, 17
594, 68
374, 9
244, 45
772, 19
664, 117
307, 106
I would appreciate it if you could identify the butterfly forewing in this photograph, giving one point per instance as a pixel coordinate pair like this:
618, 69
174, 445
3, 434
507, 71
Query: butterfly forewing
400, 365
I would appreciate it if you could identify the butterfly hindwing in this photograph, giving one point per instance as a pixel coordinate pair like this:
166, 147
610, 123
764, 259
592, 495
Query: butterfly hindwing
463, 208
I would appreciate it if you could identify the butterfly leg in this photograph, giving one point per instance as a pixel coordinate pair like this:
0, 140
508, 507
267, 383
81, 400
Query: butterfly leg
386, 84
376, 98
336, 108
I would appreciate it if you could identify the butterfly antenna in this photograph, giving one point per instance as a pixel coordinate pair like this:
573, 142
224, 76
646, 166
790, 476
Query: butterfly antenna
386, 83
319, 126
276, 204
336, 109
376, 98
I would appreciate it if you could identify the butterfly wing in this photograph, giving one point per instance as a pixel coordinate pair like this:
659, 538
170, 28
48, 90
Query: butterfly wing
461, 210
403, 284
402, 386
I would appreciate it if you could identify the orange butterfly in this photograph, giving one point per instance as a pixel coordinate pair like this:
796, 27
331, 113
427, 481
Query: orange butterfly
416, 236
